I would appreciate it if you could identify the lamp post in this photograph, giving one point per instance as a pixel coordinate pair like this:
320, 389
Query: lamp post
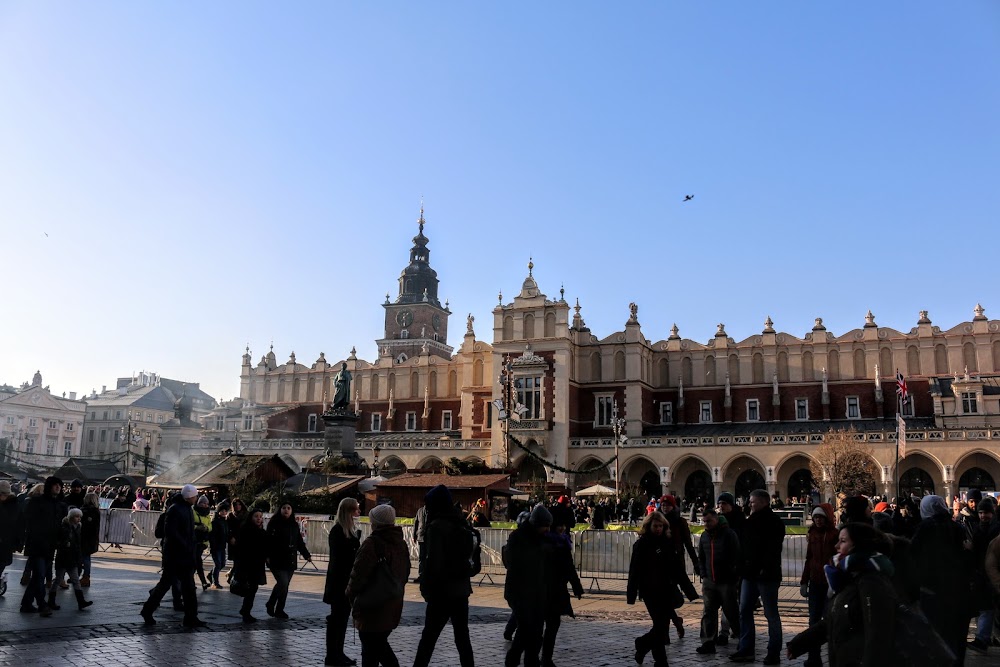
145, 460
131, 437
504, 405
375, 451
617, 428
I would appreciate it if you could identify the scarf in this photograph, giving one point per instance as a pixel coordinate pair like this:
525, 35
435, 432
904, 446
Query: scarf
845, 569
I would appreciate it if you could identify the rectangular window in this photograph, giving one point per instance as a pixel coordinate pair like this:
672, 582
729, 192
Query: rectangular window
706, 412
411, 421
53, 424
753, 410
489, 414
69, 426
529, 394
853, 408
118, 414
801, 409
908, 408
90, 435
666, 412
32, 422
10, 420
93, 415
30, 448
220, 423
105, 414
605, 407
50, 446
159, 419
446, 420
149, 416
970, 405
68, 448
312, 423
104, 435
376, 421
115, 436
247, 422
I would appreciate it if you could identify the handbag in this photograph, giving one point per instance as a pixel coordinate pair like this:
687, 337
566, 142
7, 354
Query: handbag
237, 587
917, 642
382, 587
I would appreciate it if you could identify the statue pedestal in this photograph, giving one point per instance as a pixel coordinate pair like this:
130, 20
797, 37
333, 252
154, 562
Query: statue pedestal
341, 427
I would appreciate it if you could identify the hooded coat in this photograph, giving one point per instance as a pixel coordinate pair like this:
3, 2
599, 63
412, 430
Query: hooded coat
68, 552
445, 574
562, 574
385, 542
527, 557
42, 521
284, 541
821, 543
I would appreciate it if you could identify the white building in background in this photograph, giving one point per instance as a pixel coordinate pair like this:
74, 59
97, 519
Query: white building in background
37, 428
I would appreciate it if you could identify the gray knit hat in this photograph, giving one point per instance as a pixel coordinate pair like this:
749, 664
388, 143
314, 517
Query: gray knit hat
382, 515
540, 516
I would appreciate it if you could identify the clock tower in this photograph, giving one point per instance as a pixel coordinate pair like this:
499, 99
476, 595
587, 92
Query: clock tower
416, 320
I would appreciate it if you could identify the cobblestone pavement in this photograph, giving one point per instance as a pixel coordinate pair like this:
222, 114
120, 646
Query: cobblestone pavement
111, 633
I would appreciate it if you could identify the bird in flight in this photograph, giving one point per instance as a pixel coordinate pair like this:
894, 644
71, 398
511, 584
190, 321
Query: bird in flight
688, 198
46, 234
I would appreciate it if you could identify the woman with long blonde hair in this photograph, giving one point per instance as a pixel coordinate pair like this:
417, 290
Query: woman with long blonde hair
651, 578
345, 540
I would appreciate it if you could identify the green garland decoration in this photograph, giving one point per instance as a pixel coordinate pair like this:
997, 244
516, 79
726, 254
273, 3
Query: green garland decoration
549, 464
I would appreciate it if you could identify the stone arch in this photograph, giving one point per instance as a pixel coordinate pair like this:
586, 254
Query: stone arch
391, 466
782, 366
969, 358
595, 366
601, 476
452, 383
508, 328
550, 325
940, 359
529, 326
886, 366
860, 366
758, 368
642, 472
291, 462
792, 473
663, 372
920, 472
619, 365
808, 370
734, 368
912, 360
414, 384
833, 365
691, 478
686, 371
477, 372
977, 459
432, 383
431, 463
529, 470
710, 370
742, 474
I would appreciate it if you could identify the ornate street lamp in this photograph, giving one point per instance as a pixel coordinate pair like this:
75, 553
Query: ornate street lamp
130, 436
618, 429
145, 461
375, 451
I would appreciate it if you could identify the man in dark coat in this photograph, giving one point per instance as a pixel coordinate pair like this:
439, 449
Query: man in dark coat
763, 539
43, 517
444, 583
10, 541
527, 558
736, 519
719, 554
75, 496
982, 592
180, 551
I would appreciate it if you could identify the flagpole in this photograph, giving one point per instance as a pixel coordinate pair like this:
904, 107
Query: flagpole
899, 410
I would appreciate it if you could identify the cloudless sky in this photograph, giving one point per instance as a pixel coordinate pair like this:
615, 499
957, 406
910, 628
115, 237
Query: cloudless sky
179, 179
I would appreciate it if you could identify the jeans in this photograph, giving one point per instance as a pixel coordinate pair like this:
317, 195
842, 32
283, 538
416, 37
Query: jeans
984, 626
74, 577
375, 650
86, 564
767, 592
437, 615
40, 568
717, 596
817, 609
279, 594
219, 558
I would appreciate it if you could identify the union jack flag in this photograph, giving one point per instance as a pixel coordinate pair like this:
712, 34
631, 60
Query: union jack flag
901, 391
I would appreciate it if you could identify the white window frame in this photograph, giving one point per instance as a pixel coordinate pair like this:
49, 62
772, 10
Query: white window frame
105, 418
50, 446
118, 414
856, 405
446, 420
531, 397
603, 405
411, 421
32, 422
10, 420
702, 405
312, 422
68, 448
755, 404
247, 422
159, 419
29, 447
69, 426
376, 425
666, 412
970, 403
908, 409
115, 436
90, 435
804, 404
220, 423
103, 437
53, 424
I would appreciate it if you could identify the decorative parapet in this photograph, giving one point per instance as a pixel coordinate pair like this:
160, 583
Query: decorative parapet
786, 439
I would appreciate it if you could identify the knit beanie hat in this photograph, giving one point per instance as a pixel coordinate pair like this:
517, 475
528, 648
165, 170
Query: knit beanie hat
540, 516
819, 511
987, 504
975, 494
883, 521
856, 509
382, 515
5, 487
727, 498
668, 500
933, 505
438, 499
189, 491
882, 506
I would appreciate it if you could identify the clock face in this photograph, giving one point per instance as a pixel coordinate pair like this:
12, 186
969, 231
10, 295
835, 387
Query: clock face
404, 318
436, 322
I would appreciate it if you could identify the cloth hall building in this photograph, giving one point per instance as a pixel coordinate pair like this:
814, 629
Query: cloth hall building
700, 417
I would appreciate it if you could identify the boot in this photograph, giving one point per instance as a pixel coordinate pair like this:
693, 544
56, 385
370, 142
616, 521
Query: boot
52, 601
335, 656
85, 581
80, 602
25, 578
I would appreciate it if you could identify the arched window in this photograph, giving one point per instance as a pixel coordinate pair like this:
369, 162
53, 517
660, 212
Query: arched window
619, 365
916, 481
529, 326
970, 358
664, 372
886, 367
912, 360
782, 366
391, 387
686, 371
414, 385
373, 388
477, 372
404, 334
808, 370
432, 383
734, 368
508, 328
595, 366
977, 478
758, 368
860, 370
833, 370
550, 325
710, 370
453, 383
940, 359
996, 355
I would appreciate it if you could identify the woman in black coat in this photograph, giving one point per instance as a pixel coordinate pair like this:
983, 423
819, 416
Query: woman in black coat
90, 531
253, 556
651, 578
236, 519
345, 539
562, 574
284, 540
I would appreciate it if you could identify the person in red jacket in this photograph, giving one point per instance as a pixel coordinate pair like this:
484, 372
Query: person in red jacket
821, 544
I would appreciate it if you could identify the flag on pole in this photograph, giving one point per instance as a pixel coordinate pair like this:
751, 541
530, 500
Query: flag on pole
901, 391
901, 436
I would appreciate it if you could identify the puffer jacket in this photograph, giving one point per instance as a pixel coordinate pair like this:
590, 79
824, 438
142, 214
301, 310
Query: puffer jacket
719, 553
385, 542
68, 552
448, 543
820, 547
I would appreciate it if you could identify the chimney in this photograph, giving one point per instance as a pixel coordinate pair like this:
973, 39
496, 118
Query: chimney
72, 395
104, 388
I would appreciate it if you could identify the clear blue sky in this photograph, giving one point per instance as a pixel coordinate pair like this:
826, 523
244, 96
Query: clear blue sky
210, 174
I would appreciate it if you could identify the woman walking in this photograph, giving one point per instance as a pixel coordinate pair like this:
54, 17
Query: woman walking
236, 520
218, 540
202, 533
90, 531
651, 578
68, 558
563, 573
345, 539
285, 542
253, 554
384, 549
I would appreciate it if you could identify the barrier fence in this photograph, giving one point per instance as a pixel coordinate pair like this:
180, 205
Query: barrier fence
598, 554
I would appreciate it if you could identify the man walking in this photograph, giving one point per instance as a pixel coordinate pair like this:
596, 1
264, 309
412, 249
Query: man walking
736, 519
42, 521
719, 553
764, 536
821, 543
528, 557
444, 583
180, 551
